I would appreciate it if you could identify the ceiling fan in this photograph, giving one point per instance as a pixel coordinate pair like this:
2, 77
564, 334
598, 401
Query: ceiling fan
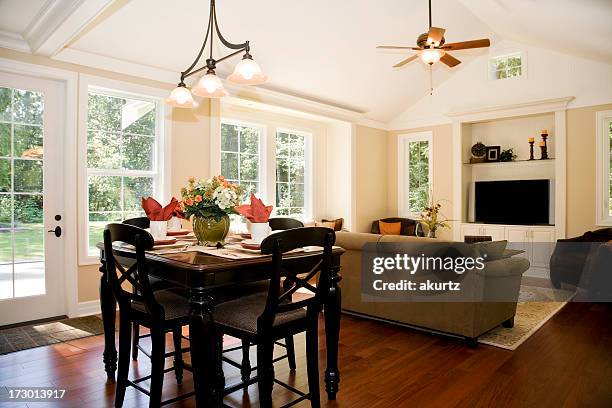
431, 47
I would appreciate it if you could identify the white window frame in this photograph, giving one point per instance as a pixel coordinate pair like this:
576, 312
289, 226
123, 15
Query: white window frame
162, 152
308, 189
504, 54
403, 169
602, 177
261, 167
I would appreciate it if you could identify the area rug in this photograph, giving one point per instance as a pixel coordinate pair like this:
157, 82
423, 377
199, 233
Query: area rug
535, 307
44, 334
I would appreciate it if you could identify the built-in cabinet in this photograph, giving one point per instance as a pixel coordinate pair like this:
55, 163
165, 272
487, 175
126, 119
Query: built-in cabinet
536, 241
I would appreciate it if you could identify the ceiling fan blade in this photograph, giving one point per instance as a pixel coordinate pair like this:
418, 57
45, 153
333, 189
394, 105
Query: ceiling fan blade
464, 45
406, 61
450, 60
394, 47
435, 35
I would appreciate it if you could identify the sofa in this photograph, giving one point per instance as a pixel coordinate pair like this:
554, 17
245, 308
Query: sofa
409, 226
468, 319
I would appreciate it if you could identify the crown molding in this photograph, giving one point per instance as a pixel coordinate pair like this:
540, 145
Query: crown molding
59, 21
14, 41
517, 109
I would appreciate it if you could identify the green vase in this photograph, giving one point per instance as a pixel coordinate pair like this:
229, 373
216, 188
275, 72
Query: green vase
210, 230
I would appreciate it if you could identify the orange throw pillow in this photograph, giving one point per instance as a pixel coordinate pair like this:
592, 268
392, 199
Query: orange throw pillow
390, 228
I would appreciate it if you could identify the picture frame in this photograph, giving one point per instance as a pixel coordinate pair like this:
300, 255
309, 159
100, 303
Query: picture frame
493, 153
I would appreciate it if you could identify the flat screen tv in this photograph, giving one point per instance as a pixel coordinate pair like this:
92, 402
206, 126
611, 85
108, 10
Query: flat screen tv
516, 202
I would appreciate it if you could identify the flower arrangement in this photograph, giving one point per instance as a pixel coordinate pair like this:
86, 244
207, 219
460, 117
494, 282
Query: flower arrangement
433, 219
214, 197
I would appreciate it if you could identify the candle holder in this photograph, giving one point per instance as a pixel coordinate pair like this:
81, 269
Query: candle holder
531, 142
544, 152
544, 134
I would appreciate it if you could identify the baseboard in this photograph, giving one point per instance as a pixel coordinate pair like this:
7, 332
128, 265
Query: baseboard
91, 307
535, 272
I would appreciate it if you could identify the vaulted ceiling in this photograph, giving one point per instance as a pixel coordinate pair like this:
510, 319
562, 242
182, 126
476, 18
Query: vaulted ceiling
321, 50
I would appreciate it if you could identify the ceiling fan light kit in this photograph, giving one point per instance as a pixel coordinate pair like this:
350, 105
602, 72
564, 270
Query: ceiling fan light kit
431, 55
246, 72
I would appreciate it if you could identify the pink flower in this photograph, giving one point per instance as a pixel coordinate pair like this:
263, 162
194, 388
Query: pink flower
198, 198
189, 202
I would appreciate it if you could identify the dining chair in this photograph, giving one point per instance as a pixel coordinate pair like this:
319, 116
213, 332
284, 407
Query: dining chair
264, 318
161, 311
276, 224
284, 223
140, 222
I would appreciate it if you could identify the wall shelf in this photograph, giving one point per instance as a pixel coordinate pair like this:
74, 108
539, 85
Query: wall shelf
497, 163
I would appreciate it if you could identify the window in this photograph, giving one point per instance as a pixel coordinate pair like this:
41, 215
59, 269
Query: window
240, 155
604, 168
290, 174
415, 172
507, 66
123, 138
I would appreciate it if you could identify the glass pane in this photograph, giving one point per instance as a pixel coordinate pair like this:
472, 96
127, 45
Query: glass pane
27, 107
297, 145
6, 210
229, 165
104, 112
296, 167
514, 61
282, 195
6, 264
282, 170
134, 188
248, 189
282, 211
103, 150
138, 152
104, 193
29, 245
5, 175
28, 141
28, 209
249, 140
28, 176
5, 104
138, 117
249, 170
229, 138
97, 222
297, 195
514, 72
282, 145
5, 139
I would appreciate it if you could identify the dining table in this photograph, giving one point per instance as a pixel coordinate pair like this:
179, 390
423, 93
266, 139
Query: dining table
202, 273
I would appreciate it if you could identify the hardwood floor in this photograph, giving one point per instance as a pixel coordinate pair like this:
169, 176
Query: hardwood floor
567, 363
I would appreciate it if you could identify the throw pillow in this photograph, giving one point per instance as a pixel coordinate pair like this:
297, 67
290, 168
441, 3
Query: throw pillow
491, 249
325, 224
338, 222
390, 228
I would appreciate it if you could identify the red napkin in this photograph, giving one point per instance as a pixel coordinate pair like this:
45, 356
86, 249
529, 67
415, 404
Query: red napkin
154, 210
255, 212
178, 211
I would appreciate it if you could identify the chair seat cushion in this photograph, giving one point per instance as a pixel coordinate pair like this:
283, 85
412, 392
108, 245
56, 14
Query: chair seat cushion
175, 306
241, 314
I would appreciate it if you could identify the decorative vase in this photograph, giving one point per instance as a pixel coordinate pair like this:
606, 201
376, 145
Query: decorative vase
431, 233
211, 231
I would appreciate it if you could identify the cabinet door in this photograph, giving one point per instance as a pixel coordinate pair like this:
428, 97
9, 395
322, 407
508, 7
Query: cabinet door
470, 229
542, 245
495, 232
518, 238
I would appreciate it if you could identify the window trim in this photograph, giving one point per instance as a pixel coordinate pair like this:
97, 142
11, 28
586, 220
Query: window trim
163, 135
262, 147
602, 143
308, 170
507, 53
402, 168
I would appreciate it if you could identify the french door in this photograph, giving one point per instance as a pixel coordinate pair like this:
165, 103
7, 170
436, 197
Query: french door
31, 198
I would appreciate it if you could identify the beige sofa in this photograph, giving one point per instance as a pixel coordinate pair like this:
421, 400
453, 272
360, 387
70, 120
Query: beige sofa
466, 319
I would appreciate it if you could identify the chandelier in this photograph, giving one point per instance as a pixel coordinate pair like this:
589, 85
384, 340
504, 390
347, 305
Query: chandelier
246, 72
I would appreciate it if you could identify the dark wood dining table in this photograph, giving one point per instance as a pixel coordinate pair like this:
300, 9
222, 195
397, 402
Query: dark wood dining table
202, 274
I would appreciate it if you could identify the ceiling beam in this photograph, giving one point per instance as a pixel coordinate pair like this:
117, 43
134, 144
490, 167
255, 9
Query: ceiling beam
59, 21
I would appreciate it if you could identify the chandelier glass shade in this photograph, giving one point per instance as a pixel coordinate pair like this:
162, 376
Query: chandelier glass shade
246, 72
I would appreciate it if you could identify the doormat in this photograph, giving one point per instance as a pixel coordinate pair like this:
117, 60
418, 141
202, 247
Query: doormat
44, 334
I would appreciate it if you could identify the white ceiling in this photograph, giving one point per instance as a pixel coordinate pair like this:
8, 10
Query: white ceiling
320, 49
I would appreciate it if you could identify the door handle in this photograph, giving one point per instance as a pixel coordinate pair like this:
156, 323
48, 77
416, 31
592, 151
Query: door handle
57, 231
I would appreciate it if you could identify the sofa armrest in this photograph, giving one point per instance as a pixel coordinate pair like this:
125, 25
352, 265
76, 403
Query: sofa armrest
505, 267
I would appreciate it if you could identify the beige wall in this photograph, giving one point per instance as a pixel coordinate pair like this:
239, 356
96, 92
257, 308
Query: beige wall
371, 177
442, 169
581, 137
